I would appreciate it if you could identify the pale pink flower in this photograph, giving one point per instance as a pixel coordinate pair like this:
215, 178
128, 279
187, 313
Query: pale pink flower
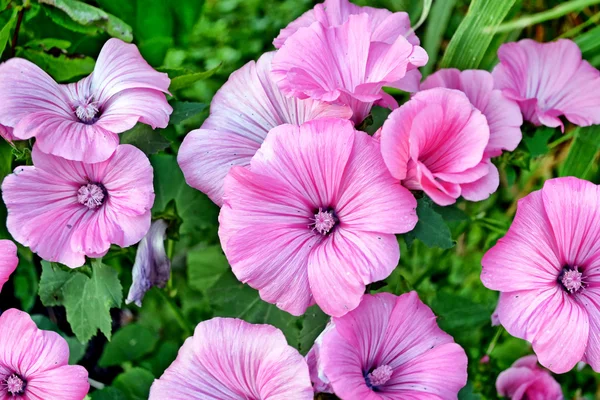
525, 380
243, 111
80, 121
6, 133
34, 364
344, 64
66, 210
389, 347
549, 80
386, 27
230, 359
547, 269
8, 260
314, 217
436, 142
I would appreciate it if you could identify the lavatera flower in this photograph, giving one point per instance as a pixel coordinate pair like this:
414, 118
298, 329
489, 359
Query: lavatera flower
66, 210
80, 121
525, 380
8, 260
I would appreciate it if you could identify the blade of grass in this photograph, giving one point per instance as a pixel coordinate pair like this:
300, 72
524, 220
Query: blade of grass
470, 43
553, 13
583, 152
434, 34
572, 32
424, 14
589, 42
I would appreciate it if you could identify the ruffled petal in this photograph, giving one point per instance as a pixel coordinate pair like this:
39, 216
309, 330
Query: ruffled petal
8, 260
127, 107
68, 382
482, 188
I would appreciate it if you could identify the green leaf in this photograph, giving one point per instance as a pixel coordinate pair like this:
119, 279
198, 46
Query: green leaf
89, 16
130, 343
583, 152
135, 383
49, 43
142, 136
538, 143
88, 301
6, 29
76, 350
589, 42
54, 278
182, 79
184, 110
162, 358
470, 42
459, 313
205, 267
4, 4
467, 393
26, 281
434, 34
314, 323
62, 67
63, 20
108, 393
431, 228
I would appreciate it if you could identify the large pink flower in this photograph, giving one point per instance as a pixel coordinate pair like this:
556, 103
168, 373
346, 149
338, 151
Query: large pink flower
547, 269
386, 27
390, 347
66, 210
6, 133
230, 359
525, 380
34, 364
8, 260
549, 80
80, 121
436, 142
314, 217
345, 64
243, 111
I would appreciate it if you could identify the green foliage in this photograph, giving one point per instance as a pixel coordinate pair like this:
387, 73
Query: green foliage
142, 136
129, 344
135, 383
7, 28
314, 323
76, 348
431, 228
62, 68
583, 153
184, 110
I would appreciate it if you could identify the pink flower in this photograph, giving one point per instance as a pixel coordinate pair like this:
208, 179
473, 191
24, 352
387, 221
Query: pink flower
313, 219
230, 359
80, 121
549, 80
390, 347
436, 142
525, 380
385, 27
66, 210
547, 269
34, 364
243, 111
6, 133
345, 64
8, 260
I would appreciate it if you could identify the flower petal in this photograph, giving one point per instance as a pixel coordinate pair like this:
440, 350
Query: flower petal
68, 382
8, 260
123, 110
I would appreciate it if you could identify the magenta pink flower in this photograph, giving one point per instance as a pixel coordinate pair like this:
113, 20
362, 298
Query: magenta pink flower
385, 27
314, 217
8, 260
66, 210
389, 347
525, 380
80, 121
34, 364
6, 133
243, 111
345, 64
436, 142
230, 359
547, 269
549, 80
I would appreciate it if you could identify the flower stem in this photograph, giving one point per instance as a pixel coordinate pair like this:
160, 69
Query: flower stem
494, 340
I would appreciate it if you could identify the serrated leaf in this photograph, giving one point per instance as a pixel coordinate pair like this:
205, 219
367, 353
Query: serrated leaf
205, 267
142, 136
89, 16
54, 278
6, 29
88, 301
129, 343
431, 229
135, 383
583, 153
472, 38
184, 110
181, 79
314, 323
62, 67
538, 143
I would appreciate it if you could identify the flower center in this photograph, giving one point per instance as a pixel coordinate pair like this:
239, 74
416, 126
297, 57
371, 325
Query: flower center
87, 112
379, 376
91, 195
571, 279
324, 221
15, 385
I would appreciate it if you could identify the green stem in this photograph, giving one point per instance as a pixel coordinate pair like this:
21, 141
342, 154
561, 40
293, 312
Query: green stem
562, 139
572, 32
553, 13
423, 17
494, 340
181, 320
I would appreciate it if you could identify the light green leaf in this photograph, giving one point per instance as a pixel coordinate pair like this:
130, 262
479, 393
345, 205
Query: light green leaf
181, 79
469, 44
88, 301
589, 42
184, 110
142, 136
314, 323
54, 278
62, 67
49, 43
431, 228
583, 153
135, 383
89, 16
205, 267
538, 143
6, 29
130, 343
